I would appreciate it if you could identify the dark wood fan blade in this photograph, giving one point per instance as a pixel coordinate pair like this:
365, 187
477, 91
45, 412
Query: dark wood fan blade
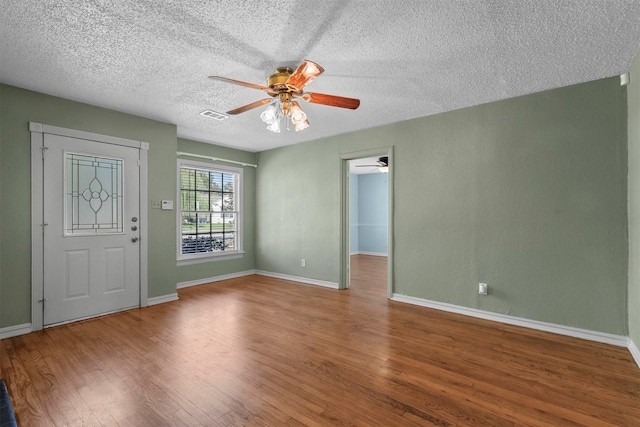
304, 74
238, 82
249, 106
331, 100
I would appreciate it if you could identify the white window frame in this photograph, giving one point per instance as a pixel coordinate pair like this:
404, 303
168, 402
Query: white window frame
186, 259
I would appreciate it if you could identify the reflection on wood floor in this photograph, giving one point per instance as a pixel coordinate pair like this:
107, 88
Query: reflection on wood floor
264, 351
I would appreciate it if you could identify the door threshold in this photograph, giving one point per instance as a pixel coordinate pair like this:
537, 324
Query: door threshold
93, 316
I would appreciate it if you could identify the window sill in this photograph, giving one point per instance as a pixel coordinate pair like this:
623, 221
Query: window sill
210, 258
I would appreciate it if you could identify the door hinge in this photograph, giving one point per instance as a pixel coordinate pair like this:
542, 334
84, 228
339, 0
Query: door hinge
44, 150
139, 162
43, 300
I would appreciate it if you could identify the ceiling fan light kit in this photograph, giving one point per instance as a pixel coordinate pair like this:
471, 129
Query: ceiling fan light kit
284, 107
285, 85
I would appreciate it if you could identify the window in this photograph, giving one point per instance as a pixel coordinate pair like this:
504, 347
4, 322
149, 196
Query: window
210, 217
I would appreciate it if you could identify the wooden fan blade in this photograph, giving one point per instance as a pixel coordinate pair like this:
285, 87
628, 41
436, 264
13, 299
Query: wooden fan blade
331, 100
238, 82
249, 106
304, 74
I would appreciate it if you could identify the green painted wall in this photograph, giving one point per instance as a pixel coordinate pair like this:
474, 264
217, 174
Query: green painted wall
17, 108
248, 261
634, 201
527, 194
298, 215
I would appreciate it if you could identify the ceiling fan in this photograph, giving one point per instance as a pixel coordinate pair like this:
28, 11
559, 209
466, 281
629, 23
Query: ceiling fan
383, 164
284, 86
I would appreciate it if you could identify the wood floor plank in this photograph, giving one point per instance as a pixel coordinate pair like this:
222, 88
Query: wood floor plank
260, 351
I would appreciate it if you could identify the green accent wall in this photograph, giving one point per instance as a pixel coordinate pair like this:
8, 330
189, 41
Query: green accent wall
18, 107
634, 201
527, 195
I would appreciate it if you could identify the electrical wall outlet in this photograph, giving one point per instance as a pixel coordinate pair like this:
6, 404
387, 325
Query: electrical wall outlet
483, 289
303, 262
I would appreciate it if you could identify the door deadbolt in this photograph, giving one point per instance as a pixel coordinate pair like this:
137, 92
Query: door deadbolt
134, 219
134, 239
134, 228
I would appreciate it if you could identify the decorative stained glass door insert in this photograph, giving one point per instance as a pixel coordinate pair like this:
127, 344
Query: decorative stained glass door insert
93, 195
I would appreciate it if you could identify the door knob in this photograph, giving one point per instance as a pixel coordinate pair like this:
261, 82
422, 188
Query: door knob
134, 228
134, 239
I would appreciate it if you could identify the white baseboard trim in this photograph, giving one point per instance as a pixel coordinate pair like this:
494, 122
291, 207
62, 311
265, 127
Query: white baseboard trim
602, 337
163, 298
215, 279
14, 331
370, 253
635, 352
299, 279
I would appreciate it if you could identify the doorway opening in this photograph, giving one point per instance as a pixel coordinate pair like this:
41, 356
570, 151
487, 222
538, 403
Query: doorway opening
367, 221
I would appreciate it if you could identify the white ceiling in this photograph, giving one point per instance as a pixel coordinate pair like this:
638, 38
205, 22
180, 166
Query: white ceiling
402, 59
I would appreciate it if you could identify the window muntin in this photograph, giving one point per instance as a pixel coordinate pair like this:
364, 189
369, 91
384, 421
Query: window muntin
210, 211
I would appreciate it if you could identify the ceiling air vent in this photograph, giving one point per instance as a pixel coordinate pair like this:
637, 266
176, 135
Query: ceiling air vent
214, 115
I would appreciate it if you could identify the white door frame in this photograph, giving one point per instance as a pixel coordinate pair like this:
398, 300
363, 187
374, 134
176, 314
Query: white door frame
37, 209
344, 214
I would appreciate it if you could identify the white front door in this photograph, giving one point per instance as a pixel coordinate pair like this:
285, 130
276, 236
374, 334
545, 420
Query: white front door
91, 232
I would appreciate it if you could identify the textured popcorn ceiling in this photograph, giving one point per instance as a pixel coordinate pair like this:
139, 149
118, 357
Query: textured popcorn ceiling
403, 59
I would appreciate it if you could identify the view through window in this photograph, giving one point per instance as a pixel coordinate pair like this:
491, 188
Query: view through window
209, 210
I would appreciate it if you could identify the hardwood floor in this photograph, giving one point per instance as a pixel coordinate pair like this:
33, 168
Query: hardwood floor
263, 351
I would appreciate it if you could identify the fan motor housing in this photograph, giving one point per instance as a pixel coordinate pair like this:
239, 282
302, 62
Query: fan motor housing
277, 82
